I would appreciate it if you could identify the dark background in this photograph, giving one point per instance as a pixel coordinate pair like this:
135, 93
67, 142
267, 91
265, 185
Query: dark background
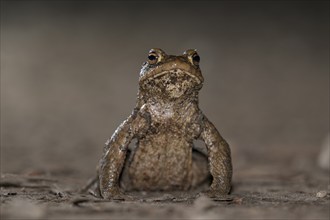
69, 75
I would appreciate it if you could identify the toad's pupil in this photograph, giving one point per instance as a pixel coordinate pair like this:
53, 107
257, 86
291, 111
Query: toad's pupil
196, 58
151, 57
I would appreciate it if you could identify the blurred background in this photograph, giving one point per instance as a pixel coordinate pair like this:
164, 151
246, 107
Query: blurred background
69, 76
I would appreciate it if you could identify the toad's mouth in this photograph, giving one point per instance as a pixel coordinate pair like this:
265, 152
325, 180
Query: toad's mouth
175, 75
177, 72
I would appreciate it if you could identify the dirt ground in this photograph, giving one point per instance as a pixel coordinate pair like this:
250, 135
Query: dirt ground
69, 76
258, 193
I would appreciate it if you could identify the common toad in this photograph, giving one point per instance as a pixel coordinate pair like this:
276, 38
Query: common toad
165, 122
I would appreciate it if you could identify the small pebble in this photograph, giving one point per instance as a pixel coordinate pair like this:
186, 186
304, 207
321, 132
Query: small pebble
321, 194
324, 155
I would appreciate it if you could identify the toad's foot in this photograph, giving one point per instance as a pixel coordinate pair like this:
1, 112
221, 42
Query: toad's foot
116, 193
215, 193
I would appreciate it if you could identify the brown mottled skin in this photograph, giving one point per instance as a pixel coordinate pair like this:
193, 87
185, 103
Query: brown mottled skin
165, 122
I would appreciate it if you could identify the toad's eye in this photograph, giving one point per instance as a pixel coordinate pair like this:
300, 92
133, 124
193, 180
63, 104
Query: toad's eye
196, 59
152, 58
156, 56
192, 57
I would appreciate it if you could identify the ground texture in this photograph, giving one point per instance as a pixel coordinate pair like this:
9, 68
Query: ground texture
258, 193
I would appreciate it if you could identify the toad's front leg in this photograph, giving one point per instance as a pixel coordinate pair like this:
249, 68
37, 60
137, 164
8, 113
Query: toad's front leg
219, 159
114, 155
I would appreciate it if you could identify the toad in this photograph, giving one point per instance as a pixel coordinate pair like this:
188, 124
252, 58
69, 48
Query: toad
165, 123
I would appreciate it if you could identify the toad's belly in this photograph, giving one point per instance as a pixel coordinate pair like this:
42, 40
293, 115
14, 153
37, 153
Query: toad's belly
161, 162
